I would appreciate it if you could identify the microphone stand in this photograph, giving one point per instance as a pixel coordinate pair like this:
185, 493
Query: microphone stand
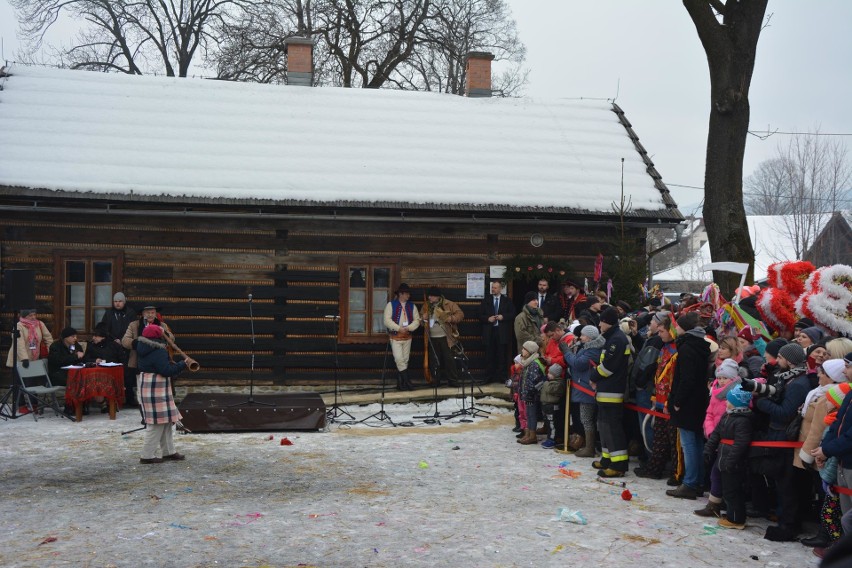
434, 418
251, 400
473, 411
381, 415
335, 411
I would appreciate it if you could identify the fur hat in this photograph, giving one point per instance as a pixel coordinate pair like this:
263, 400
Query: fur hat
773, 346
738, 397
433, 291
833, 368
836, 393
152, 331
814, 333
728, 369
68, 332
100, 331
793, 353
119, 296
609, 316
531, 347
591, 332
529, 297
555, 371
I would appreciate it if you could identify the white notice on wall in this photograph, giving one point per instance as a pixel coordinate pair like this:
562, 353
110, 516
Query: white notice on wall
475, 286
497, 272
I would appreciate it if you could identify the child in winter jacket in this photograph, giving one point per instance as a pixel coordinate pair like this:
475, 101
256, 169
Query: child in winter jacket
727, 377
731, 438
532, 379
552, 393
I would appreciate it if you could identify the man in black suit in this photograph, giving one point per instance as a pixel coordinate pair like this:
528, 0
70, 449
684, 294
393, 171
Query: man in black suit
496, 313
548, 303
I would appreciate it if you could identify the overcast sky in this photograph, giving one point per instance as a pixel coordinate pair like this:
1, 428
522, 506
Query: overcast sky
649, 55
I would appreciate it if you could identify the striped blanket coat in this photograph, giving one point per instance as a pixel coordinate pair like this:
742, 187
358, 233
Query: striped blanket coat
153, 386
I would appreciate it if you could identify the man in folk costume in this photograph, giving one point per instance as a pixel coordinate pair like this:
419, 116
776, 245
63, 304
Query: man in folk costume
401, 318
610, 386
155, 395
442, 331
570, 295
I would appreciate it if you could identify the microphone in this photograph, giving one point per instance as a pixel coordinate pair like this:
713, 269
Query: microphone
331, 317
249, 297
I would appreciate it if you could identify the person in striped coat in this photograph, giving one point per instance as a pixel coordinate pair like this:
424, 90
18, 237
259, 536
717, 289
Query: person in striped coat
155, 395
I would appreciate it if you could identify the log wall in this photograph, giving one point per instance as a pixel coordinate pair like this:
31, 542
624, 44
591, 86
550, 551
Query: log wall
200, 272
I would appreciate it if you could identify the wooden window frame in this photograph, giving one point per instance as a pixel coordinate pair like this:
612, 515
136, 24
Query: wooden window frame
344, 264
59, 259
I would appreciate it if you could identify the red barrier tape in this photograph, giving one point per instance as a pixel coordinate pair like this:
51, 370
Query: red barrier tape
767, 444
626, 405
842, 490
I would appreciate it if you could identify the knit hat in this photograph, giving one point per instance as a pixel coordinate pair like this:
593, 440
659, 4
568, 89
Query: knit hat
152, 331
814, 333
119, 297
803, 323
748, 334
529, 297
728, 369
591, 332
688, 321
662, 317
531, 347
834, 368
773, 346
738, 397
555, 371
68, 332
433, 291
793, 353
836, 393
609, 316
27, 311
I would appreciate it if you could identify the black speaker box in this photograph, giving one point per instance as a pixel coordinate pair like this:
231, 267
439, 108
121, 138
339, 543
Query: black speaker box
18, 289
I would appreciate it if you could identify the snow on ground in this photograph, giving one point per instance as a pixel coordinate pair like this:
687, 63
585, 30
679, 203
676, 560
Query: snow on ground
429, 495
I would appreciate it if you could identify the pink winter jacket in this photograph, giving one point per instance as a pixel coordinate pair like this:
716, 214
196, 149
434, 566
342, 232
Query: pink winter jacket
718, 405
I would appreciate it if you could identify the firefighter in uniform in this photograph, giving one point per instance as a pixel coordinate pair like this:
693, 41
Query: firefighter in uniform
610, 386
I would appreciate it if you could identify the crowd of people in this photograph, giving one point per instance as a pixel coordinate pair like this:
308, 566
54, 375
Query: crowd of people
753, 415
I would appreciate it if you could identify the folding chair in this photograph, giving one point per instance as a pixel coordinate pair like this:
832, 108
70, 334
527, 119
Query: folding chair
35, 383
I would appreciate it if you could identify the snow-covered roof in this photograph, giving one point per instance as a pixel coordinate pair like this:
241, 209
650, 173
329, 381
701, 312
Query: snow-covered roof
106, 133
771, 239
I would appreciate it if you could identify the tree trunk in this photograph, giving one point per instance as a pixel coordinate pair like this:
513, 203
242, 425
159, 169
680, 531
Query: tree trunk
730, 47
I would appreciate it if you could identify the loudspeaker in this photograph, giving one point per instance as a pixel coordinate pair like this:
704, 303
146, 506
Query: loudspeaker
19, 289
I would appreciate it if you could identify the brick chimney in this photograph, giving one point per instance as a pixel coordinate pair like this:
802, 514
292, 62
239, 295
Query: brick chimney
478, 74
300, 61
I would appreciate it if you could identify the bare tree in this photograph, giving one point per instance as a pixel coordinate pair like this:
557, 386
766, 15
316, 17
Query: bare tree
804, 183
768, 189
458, 28
134, 37
730, 45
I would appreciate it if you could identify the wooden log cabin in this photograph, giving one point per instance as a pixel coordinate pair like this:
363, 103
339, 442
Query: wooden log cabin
194, 194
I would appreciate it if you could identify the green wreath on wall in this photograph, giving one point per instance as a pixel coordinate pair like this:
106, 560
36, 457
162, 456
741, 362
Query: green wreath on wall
528, 268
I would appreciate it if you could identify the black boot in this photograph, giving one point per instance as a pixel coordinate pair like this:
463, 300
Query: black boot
406, 381
399, 384
821, 540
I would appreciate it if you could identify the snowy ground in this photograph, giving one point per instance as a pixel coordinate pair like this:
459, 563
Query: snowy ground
429, 495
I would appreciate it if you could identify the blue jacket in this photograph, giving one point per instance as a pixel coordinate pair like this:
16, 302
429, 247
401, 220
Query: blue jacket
838, 439
153, 358
579, 365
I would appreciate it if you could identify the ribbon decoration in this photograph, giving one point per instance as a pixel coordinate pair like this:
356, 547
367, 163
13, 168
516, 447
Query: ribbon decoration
741, 318
598, 267
608, 290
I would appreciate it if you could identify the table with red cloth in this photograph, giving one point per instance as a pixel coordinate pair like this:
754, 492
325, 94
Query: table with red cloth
90, 382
